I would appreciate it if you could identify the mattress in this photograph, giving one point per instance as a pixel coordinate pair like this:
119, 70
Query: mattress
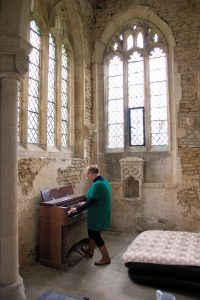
158, 256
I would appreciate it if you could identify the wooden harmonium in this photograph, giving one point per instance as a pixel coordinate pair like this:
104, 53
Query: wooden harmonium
59, 232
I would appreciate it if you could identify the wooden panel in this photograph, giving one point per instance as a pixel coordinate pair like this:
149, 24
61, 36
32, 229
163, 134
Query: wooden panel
56, 193
59, 233
56, 240
73, 234
54, 214
50, 243
67, 200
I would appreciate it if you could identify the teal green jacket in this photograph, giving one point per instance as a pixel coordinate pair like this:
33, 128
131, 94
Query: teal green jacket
99, 214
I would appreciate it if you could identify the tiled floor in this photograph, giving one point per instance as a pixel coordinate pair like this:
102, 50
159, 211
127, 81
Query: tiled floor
84, 279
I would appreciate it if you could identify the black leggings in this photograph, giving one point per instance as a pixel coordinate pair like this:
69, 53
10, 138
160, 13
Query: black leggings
96, 236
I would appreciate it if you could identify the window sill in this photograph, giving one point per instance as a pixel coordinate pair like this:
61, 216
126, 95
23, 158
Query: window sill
37, 151
139, 149
154, 185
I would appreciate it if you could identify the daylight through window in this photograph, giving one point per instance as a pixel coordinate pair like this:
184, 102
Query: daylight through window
137, 88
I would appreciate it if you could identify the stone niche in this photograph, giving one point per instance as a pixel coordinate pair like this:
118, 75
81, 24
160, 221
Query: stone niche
132, 170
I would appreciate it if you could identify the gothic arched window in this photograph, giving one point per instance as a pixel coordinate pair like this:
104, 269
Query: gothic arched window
136, 77
43, 99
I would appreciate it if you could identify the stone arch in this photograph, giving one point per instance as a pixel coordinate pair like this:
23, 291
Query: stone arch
117, 21
139, 12
131, 188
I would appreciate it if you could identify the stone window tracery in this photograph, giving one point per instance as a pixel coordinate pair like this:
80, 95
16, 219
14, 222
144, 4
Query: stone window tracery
136, 89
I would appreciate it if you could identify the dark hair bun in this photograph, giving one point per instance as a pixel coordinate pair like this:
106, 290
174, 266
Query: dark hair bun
93, 169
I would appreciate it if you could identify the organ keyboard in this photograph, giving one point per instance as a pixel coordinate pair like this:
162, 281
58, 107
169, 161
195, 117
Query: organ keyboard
59, 232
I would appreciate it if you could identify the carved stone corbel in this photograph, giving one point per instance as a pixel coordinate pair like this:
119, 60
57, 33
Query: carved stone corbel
21, 61
14, 53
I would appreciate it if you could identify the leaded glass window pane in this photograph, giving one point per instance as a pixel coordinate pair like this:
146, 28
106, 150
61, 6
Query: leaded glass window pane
129, 42
64, 97
136, 80
115, 136
158, 97
33, 85
115, 103
51, 110
115, 111
136, 116
140, 42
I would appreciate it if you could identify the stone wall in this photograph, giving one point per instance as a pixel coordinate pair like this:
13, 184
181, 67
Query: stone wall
40, 169
171, 193
36, 174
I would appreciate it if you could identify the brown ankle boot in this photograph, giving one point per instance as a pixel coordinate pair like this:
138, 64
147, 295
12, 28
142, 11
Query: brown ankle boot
105, 260
89, 251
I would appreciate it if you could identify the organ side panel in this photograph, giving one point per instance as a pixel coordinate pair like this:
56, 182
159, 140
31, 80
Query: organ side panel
51, 235
59, 233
